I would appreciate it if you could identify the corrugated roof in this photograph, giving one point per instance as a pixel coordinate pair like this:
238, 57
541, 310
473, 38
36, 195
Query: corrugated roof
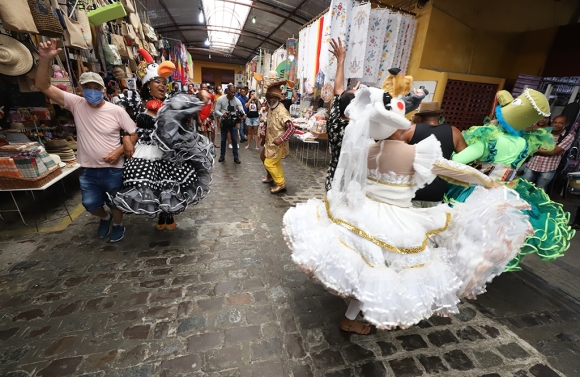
276, 21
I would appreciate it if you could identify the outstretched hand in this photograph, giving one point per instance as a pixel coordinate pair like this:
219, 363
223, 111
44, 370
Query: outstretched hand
337, 49
48, 50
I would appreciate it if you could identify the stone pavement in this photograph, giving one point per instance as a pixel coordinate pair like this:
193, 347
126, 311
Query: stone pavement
218, 296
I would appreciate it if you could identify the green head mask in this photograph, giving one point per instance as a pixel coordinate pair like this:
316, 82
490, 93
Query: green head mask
515, 115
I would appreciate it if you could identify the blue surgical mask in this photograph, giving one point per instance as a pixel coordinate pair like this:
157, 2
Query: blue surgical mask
93, 96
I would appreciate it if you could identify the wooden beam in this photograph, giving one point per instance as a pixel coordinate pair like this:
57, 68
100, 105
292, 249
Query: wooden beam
162, 3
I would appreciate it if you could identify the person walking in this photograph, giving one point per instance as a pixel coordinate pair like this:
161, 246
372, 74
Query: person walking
253, 119
99, 125
206, 126
216, 119
242, 95
231, 111
278, 129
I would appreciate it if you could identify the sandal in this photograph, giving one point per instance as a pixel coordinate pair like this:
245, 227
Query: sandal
355, 326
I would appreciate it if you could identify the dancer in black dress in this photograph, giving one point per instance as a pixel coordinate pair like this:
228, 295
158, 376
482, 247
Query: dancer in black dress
169, 168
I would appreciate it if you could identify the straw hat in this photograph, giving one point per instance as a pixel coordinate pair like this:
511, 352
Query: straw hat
429, 108
15, 58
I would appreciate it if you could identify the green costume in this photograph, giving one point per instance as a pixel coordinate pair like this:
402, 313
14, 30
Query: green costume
507, 145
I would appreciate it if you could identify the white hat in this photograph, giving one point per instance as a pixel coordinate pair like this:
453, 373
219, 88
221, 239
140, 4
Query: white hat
386, 115
88, 77
15, 58
57, 160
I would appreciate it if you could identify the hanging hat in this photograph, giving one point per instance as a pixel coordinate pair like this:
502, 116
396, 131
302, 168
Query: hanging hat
148, 69
385, 114
429, 108
516, 115
15, 58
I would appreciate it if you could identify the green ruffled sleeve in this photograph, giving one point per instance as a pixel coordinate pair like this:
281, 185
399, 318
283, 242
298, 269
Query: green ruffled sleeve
539, 139
484, 133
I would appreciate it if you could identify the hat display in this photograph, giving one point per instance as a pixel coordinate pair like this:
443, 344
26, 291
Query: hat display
429, 108
515, 115
88, 77
57, 160
148, 69
62, 149
15, 58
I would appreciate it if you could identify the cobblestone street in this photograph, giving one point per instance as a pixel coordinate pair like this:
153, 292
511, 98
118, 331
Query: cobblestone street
220, 296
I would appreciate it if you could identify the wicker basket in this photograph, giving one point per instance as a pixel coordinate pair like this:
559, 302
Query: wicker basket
8, 183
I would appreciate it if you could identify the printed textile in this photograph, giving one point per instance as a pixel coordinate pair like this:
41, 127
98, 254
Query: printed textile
340, 11
375, 37
389, 46
357, 43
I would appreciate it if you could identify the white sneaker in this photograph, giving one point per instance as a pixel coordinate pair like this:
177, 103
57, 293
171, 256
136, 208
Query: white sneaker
230, 146
238, 146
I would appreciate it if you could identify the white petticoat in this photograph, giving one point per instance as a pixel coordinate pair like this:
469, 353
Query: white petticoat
402, 289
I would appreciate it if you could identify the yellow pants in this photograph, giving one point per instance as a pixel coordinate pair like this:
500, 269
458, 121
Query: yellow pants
274, 167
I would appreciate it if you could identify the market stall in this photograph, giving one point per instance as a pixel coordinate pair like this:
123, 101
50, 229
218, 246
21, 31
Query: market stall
100, 36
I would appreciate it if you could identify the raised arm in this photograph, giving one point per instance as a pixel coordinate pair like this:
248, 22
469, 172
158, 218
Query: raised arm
459, 173
47, 51
339, 50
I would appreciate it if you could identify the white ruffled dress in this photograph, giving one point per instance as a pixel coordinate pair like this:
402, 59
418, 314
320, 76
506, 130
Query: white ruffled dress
383, 253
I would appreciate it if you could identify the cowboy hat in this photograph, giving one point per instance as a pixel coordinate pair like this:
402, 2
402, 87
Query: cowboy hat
429, 108
15, 58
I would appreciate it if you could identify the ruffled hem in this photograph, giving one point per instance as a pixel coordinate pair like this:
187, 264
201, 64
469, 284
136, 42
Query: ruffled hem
497, 230
389, 297
427, 152
552, 234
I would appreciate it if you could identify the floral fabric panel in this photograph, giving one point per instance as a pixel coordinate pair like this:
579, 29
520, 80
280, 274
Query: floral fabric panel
357, 43
375, 37
325, 54
406, 43
389, 46
340, 11
302, 52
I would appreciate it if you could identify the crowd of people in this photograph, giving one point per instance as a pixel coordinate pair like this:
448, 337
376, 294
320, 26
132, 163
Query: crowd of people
417, 215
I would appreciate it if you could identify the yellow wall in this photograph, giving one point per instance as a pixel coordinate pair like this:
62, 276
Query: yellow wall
199, 64
447, 48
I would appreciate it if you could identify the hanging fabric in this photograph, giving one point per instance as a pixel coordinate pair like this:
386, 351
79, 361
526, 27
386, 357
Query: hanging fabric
389, 47
375, 37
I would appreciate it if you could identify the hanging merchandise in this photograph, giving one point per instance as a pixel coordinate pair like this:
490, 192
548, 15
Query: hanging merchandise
15, 58
128, 32
15, 15
44, 18
149, 32
267, 62
83, 19
340, 17
60, 77
292, 58
357, 43
389, 47
119, 41
135, 21
106, 13
128, 5
74, 35
375, 37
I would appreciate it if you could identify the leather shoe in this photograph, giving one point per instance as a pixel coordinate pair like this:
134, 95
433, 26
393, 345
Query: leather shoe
276, 189
237, 161
222, 159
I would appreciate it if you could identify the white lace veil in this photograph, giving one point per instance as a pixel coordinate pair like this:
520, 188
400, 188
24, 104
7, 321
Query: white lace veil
351, 173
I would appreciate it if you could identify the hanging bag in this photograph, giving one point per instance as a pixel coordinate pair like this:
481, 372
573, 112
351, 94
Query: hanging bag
45, 19
106, 13
119, 42
128, 32
73, 33
16, 16
128, 5
83, 19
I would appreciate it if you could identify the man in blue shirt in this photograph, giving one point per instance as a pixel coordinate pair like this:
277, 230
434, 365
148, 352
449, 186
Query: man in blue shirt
243, 97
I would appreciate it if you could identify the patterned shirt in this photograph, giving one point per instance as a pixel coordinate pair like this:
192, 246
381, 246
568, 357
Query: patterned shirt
550, 163
335, 129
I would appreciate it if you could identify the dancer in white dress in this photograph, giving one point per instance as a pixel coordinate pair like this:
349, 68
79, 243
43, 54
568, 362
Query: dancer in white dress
367, 243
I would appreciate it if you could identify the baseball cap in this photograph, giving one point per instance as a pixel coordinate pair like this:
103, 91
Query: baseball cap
88, 77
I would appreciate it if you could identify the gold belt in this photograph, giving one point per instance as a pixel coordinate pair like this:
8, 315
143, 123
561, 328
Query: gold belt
380, 243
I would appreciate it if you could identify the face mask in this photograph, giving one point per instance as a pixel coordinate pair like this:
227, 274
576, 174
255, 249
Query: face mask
273, 106
93, 96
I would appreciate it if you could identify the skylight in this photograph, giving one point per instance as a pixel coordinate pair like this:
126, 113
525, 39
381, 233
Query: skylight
225, 21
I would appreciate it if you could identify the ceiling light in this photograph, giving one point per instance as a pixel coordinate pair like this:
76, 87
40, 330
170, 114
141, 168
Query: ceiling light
254, 19
210, 56
207, 42
200, 17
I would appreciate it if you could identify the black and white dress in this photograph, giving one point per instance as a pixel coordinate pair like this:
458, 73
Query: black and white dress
335, 128
170, 168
